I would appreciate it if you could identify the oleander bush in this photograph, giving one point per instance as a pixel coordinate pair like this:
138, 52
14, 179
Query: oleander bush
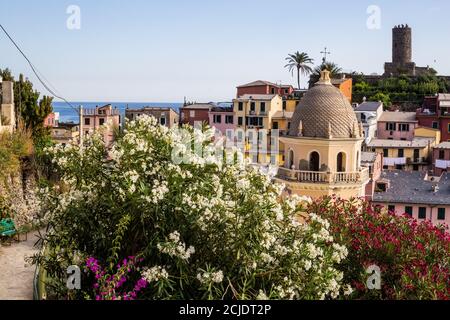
413, 257
144, 225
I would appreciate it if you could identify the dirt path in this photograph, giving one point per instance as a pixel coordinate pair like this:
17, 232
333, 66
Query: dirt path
16, 276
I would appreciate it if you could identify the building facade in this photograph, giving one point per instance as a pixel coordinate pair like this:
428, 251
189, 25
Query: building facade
441, 158
165, 116
195, 113
52, 120
397, 125
417, 194
106, 118
222, 118
323, 146
65, 134
435, 113
368, 113
264, 87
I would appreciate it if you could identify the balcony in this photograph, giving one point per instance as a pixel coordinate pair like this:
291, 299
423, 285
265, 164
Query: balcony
324, 177
416, 160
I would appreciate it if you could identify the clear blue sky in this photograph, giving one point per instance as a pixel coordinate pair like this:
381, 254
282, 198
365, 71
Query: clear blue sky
161, 51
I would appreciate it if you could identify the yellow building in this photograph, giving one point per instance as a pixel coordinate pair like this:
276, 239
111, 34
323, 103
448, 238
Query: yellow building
253, 117
405, 155
323, 146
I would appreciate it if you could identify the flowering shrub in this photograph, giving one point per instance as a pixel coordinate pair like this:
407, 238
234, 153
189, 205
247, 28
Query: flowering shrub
205, 228
414, 257
107, 286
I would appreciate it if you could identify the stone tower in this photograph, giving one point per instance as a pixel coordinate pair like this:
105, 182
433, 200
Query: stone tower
401, 45
402, 54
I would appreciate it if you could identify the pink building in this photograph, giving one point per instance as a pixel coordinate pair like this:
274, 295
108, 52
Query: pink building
441, 158
52, 120
373, 161
222, 118
106, 117
397, 125
417, 194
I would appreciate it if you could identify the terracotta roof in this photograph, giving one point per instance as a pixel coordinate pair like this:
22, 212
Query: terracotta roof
368, 157
259, 83
321, 107
207, 106
398, 117
246, 97
386, 143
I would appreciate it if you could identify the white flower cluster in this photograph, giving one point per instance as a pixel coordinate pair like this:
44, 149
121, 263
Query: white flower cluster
210, 277
155, 274
175, 247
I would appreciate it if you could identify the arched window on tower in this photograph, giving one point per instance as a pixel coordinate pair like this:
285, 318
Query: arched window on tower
314, 161
341, 160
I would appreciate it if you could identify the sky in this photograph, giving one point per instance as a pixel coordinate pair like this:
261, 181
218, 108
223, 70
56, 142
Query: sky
163, 51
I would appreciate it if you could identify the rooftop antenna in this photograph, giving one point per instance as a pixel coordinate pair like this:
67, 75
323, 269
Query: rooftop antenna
325, 53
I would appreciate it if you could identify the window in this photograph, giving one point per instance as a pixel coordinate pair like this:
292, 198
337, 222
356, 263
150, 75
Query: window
390, 126
441, 214
87, 121
381, 187
391, 208
435, 125
284, 105
422, 213
217, 118
448, 128
163, 121
289, 125
263, 107
386, 153
252, 106
228, 119
240, 106
273, 91
403, 127
409, 211
102, 121
441, 154
254, 121
240, 121
401, 153
275, 125
192, 114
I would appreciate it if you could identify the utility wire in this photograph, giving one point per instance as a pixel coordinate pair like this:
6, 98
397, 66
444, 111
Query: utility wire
36, 72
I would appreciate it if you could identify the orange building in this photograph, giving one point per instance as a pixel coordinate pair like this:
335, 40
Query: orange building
345, 85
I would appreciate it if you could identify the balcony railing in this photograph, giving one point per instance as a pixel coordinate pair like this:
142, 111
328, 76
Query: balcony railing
324, 177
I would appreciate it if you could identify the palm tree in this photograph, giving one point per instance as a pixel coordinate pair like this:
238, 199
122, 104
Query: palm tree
334, 69
299, 61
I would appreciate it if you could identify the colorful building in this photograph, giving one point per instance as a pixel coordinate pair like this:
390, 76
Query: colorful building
265, 88
166, 116
441, 158
411, 155
252, 114
345, 85
417, 194
397, 125
435, 113
106, 117
195, 113
52, 120
323, 146
222, 118
374, 162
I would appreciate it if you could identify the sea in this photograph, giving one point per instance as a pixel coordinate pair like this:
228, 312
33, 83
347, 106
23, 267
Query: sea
67, 114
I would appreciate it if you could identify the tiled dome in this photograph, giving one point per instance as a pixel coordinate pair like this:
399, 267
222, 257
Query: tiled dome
324, 112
